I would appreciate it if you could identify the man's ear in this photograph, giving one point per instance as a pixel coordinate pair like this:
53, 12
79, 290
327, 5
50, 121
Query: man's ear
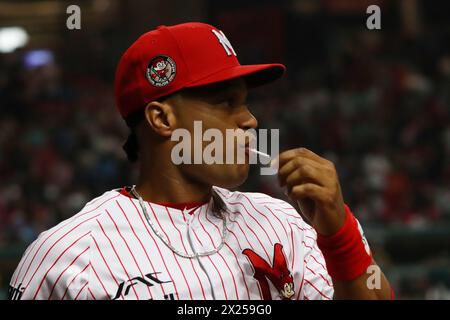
160, 117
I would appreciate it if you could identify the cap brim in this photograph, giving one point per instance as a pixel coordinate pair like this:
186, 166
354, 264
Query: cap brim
255, 75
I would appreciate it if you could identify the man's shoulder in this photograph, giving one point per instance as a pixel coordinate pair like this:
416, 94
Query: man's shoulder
66, 244
81, 223
99, 203
259, 201
254, 197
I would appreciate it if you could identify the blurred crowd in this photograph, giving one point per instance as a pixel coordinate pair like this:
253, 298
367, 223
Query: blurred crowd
383, 116
60, 143
378, 106
384, 121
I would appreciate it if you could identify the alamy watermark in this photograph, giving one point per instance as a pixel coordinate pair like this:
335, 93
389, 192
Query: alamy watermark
73, 21
374, 280
373, 22
235, 146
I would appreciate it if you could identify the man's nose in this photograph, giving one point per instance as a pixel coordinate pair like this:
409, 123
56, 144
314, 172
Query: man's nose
248, 121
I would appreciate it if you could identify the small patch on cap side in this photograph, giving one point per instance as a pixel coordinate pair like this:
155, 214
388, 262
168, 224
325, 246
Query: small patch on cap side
161, 71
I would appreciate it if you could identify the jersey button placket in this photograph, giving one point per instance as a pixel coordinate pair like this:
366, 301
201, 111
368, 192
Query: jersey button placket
191, 227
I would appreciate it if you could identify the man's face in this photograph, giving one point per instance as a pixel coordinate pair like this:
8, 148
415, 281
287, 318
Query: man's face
221, 106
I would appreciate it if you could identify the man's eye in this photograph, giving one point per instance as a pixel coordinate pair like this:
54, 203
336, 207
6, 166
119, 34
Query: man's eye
225, 103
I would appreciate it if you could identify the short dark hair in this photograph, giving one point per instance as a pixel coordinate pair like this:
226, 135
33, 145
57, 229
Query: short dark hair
131, 145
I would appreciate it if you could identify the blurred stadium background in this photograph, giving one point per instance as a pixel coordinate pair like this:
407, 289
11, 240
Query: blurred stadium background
376, 102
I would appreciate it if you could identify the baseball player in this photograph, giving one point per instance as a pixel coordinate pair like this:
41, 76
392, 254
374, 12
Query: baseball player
180, 233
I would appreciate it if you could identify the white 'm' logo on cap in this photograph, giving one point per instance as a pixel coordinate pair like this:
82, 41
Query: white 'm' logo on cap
224, 42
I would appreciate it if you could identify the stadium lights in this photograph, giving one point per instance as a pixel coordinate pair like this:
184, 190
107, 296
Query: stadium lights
12, 38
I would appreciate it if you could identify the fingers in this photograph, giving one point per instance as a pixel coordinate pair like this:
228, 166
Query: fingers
300, 170
304, 174
311, 191
288, 155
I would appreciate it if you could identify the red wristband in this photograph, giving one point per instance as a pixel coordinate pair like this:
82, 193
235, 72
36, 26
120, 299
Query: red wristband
347, 254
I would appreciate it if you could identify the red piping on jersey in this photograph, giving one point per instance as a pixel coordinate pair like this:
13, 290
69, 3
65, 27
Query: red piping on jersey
179, 206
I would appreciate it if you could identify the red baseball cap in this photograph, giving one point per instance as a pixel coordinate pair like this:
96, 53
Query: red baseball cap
186, 55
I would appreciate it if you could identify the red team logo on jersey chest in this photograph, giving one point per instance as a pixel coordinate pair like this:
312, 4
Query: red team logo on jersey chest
279, 273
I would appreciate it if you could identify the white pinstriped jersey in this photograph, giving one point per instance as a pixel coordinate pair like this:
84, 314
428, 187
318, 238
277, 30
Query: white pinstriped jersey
109, 251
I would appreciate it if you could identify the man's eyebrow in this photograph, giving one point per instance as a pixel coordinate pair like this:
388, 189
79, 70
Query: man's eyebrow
232, 89
238, 91
222, 89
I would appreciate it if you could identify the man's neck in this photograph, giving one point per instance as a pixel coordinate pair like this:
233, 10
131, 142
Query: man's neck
168, 185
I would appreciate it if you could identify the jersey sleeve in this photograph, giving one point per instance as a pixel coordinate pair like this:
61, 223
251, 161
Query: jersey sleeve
314, 282
317, 284
54, 267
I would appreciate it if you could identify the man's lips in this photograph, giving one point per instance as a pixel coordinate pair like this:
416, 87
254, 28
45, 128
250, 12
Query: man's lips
246, 148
